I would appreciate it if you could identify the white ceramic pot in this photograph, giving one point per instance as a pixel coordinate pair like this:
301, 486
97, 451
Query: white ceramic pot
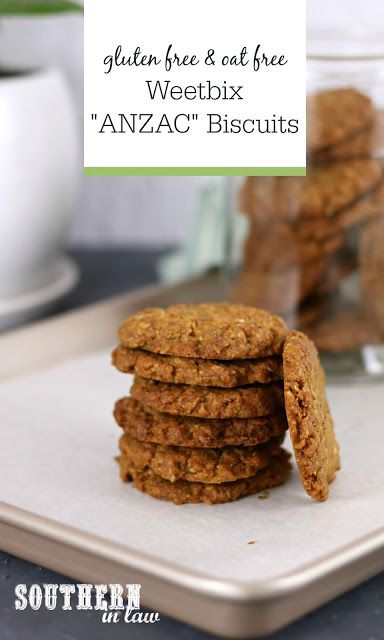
39, 169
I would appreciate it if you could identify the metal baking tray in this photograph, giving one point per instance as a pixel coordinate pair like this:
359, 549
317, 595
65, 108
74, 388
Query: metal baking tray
217, 599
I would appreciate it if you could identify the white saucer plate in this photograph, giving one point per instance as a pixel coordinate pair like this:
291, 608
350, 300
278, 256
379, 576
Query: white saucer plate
34, 304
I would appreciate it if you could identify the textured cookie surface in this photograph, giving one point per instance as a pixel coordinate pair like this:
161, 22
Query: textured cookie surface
144, 424
209, 402
309, 418
322, 193
199, 465
333, 116
196, 371
220, 331
182, 491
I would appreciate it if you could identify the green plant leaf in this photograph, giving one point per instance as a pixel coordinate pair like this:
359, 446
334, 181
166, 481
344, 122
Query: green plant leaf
37, 7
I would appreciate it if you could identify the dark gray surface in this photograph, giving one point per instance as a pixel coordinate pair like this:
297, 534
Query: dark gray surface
107, 273
357, 615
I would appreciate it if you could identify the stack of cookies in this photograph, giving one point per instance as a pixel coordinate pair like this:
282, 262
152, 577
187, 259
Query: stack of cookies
206, 418
304, 233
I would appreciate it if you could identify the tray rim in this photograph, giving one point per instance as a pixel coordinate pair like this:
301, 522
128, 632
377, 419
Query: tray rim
228, 608
265, 605
239, 589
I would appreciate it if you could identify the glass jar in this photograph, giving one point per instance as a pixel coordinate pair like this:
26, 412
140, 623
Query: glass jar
313, 247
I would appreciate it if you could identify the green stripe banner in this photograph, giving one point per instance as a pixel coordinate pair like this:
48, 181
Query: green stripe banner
195, 171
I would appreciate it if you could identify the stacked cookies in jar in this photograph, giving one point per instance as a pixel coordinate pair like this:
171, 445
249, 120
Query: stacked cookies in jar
315, 244
205, 418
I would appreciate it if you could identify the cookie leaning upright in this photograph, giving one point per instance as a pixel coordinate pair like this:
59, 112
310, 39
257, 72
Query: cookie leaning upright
309, 419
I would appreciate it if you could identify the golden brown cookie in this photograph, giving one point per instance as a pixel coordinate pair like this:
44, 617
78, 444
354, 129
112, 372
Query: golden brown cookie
219, 331
182, 491
148, 425
199, 465
364, 143
196, 371
335, 115
309, 418
209, 402
347, 329
324, 191
371, 255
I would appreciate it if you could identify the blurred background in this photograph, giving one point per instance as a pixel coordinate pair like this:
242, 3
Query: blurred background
70, 239
112, 211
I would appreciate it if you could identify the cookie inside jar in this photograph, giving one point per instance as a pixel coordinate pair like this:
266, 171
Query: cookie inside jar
313, 250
